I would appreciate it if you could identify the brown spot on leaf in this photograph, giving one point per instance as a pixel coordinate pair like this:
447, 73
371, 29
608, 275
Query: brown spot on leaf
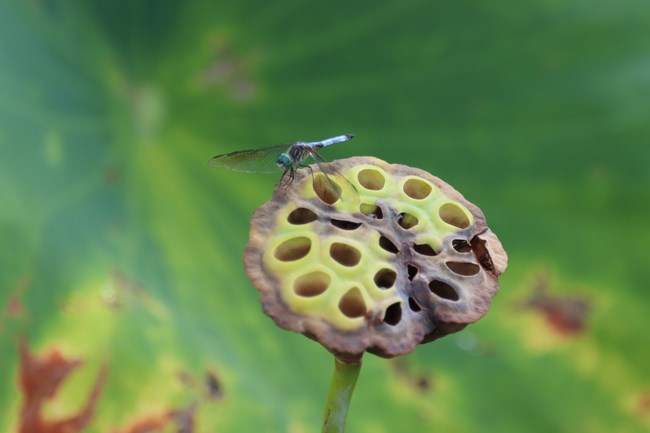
420, 382
643, 405
124, 289
230, 71
186, 379
148, 423
566, 315
182, 419
112, 175
213, 387
127, 284
39, 380
423, 383
14, 306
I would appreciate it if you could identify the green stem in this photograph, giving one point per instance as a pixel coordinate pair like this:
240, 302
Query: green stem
338, 399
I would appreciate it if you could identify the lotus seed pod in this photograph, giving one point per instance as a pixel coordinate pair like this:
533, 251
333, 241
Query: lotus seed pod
383, 261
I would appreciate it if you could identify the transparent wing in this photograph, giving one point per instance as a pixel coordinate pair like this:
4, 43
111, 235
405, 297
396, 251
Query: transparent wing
251, 161
333, 175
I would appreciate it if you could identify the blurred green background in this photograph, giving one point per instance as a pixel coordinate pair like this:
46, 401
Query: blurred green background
120, 246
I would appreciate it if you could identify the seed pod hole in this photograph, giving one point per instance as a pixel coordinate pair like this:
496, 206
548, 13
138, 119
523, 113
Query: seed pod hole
311, 284
417, 189
407, 221
344, 225
326, 189
385, 278
293, 249
345, 254
371, 179
461, 245
371, 210
352, 304
387, 245
443, 290
453, 215
413, 305
412, 271
393, 314
463, 268
424, 249
301, 215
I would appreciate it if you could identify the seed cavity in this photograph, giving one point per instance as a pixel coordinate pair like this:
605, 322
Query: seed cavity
453, 215
371, 210
413, 305
387, 245
393, 314
301, 215
461, 245
293, 249
385, 278
311, 284
443, 290
345, 225
371, 179
345, 254
352, 304
412, 271
406, 220
424, 249
326, 189
417, 189
463, 268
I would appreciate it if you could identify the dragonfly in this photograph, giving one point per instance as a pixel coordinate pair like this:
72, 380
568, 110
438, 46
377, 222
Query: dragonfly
287, 157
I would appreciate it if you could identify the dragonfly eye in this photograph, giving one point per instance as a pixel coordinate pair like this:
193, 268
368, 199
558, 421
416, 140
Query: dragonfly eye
283, 160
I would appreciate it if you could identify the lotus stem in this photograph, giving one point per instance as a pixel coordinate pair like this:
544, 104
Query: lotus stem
340, 393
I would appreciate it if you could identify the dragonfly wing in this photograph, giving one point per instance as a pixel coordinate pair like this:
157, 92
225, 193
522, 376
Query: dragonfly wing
323, 165
251, 161
332, 175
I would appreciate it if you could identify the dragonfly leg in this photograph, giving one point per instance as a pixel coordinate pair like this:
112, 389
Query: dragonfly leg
282, 181
287, 178
311, 170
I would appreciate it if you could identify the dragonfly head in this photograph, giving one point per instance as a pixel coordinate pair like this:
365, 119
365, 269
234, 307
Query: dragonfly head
284, 161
